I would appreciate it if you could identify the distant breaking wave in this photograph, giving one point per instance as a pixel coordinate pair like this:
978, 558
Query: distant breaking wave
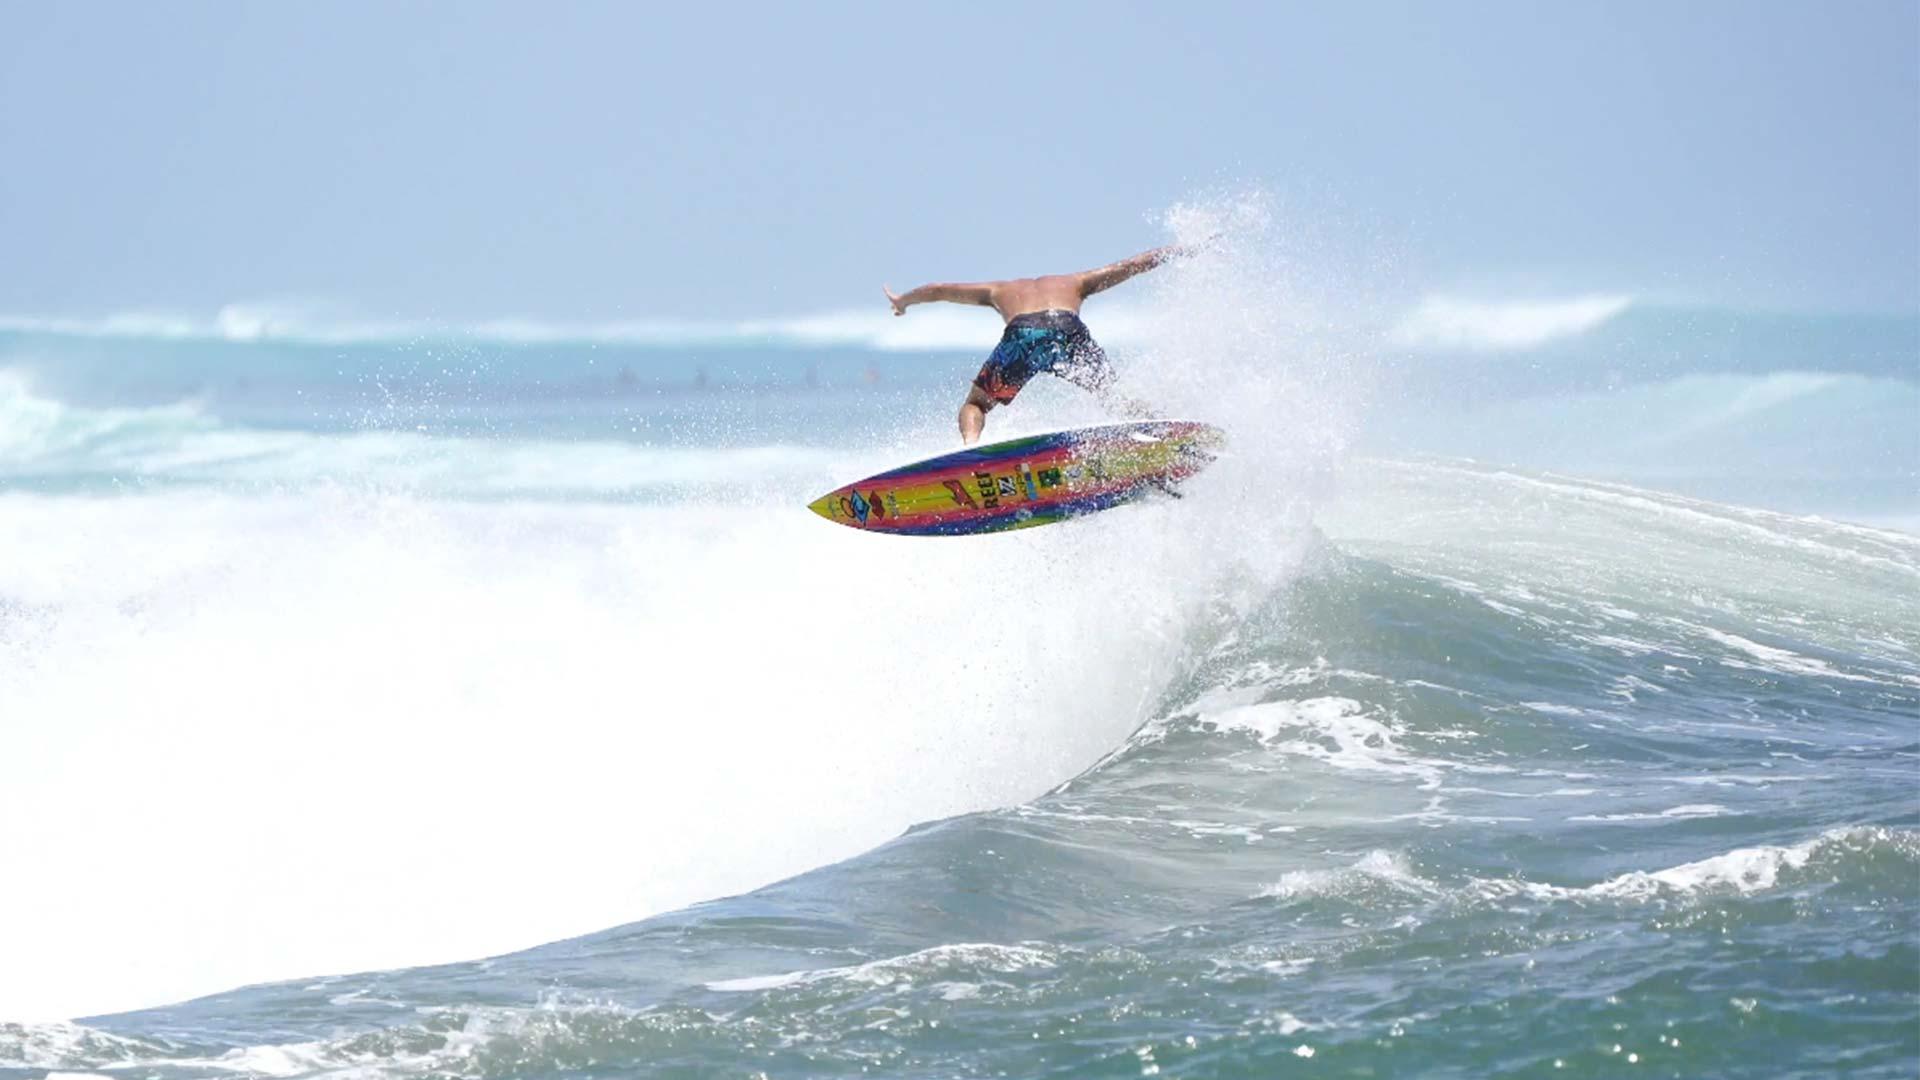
49, 445
1452, 323
1436, 321
932, 330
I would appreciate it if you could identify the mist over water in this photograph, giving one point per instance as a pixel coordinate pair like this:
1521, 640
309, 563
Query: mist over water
328, 654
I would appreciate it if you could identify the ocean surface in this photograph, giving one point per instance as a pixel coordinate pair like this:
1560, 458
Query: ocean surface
1532, 690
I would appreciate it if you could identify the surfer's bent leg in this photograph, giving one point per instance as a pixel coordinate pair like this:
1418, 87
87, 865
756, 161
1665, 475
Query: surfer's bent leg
1081, 361
973, 415
1002, 376
1052, 341
1084, 364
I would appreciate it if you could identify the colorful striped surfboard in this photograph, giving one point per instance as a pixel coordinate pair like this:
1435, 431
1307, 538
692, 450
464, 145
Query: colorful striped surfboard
1025, 482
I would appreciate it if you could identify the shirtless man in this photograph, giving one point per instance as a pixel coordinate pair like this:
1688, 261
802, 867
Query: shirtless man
1044, 331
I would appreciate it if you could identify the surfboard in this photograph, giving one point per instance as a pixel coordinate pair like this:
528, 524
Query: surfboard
1020, 483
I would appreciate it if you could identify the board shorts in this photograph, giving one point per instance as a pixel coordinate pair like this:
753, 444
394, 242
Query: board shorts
1055, 342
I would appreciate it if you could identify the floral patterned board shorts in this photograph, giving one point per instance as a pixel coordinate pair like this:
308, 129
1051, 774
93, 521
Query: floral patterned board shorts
1055, 342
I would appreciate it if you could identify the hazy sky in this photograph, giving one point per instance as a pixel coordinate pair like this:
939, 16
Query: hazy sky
585, 161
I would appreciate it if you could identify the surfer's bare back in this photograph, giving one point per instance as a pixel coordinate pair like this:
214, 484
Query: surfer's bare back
1044, 331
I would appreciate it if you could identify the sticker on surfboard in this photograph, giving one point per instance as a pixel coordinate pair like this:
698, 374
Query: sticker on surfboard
1020, 483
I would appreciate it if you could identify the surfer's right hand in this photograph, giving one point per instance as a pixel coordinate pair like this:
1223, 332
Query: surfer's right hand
899, 308
1187, 251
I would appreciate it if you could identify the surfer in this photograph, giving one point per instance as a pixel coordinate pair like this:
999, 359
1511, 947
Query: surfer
1044, 332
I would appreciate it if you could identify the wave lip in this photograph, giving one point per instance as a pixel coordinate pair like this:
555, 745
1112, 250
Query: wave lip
1449, 322
935, 961
1741, 871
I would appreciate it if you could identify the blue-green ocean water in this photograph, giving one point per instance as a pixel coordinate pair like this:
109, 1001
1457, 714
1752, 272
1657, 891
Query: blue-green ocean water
449, 706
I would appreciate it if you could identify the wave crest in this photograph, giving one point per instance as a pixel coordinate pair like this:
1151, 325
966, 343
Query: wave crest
1454, 323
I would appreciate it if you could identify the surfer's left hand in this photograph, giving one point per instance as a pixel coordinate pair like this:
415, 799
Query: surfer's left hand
898, 307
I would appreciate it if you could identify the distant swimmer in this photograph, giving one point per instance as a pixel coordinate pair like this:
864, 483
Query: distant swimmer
1044, 332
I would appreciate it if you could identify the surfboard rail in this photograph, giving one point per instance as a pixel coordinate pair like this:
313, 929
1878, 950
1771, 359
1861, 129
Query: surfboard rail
1024, 482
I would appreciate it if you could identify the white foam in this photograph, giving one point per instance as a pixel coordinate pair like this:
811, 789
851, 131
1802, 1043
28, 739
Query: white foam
1339, 731
1453, 322
1777, 660
1551, 709
460, 1036
1625, 646
906, 968
1689, 810
1288, 967
1288, 1024
1387, 868
59, 1045
1743, 870
328, 718
1739, 780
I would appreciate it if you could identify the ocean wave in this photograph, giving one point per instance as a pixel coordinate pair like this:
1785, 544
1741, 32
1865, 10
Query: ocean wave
46, 442
1339, 732
1892, 552
1687, 810
886, 1011
559, 1033
940, 961
1474, 350
473, 1041
62, 1045
932, 330
1831, 855
613, 665
1435, 322
34, 427
1454, 323
1376, 869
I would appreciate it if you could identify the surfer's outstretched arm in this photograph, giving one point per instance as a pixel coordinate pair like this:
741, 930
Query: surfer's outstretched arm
1106, 277
980, 293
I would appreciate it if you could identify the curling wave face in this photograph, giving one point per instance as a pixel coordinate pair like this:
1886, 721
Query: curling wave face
1452, 796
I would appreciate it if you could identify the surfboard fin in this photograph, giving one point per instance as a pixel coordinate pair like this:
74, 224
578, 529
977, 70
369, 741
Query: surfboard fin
1165, 486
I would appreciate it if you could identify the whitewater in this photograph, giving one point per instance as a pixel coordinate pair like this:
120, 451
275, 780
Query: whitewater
1533, 688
